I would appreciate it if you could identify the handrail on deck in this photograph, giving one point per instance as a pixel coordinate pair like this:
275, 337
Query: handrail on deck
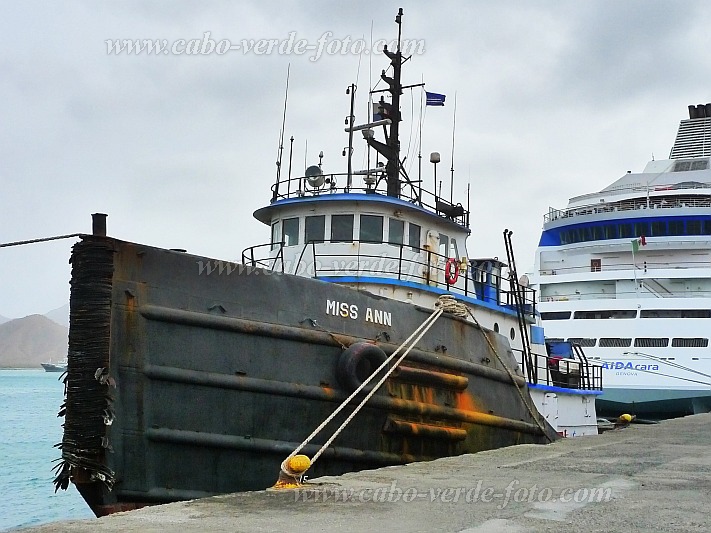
416, 195
421, 265
570, 373
658, 201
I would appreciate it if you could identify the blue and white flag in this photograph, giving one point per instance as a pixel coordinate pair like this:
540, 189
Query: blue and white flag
434, 98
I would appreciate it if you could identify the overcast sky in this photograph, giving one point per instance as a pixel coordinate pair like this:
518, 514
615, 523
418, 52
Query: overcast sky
554, 99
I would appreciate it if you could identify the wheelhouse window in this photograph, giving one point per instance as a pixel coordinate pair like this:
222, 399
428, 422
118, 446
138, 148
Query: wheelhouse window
684, 166
413, 238
396, 231
371, 228
342, 228
290, 231
275, 235
315, 228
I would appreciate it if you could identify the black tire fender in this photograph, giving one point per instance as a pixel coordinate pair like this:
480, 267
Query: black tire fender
357, 363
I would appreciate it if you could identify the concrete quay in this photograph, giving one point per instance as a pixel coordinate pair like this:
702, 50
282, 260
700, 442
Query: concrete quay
641, 478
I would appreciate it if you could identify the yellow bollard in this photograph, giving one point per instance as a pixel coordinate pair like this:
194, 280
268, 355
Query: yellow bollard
291, 472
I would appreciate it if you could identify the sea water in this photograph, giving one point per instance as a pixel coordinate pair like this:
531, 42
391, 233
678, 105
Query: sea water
29, 429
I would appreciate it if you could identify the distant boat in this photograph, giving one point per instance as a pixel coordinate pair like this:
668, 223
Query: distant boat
55, 367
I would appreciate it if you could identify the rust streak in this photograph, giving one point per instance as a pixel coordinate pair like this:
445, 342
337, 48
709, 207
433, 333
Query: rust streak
465, 402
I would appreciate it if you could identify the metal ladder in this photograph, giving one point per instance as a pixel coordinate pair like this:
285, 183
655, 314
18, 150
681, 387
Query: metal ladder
519, 301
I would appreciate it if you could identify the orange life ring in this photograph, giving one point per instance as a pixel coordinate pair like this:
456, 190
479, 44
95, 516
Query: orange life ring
451, 271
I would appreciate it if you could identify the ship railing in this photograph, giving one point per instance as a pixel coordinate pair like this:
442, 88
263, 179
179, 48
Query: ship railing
652, 202
410, 192
574, 372
624, 295
643, 188
337, 259
641, 267
269, 262
613, 191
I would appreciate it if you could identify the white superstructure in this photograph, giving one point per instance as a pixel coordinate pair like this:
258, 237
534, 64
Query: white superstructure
626, 273
379, 230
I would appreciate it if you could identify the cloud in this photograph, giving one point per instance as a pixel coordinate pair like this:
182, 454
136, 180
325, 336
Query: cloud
552, 101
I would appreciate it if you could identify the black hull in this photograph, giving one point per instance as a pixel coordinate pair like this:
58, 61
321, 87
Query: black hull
210, 380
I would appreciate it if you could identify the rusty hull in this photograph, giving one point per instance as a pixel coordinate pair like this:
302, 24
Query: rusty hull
188, 378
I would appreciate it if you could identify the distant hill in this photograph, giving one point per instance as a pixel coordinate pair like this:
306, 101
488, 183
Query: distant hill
3, 319
27, 342
60, 315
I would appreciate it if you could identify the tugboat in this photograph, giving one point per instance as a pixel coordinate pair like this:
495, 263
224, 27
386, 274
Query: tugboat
190, 377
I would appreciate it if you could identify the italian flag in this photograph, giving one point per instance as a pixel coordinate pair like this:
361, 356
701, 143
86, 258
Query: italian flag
636, 243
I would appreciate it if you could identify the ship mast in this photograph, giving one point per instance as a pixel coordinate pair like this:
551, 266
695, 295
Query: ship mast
392, 169
391, 148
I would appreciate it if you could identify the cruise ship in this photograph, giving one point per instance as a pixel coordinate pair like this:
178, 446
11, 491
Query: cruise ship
626, 273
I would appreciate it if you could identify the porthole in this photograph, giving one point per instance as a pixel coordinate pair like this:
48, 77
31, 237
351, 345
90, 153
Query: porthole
512, 334
496, 327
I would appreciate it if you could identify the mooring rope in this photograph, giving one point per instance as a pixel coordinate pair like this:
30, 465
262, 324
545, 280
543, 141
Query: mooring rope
430, 321
531, 411
45, 239
427, 323
445, 303
449, 305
